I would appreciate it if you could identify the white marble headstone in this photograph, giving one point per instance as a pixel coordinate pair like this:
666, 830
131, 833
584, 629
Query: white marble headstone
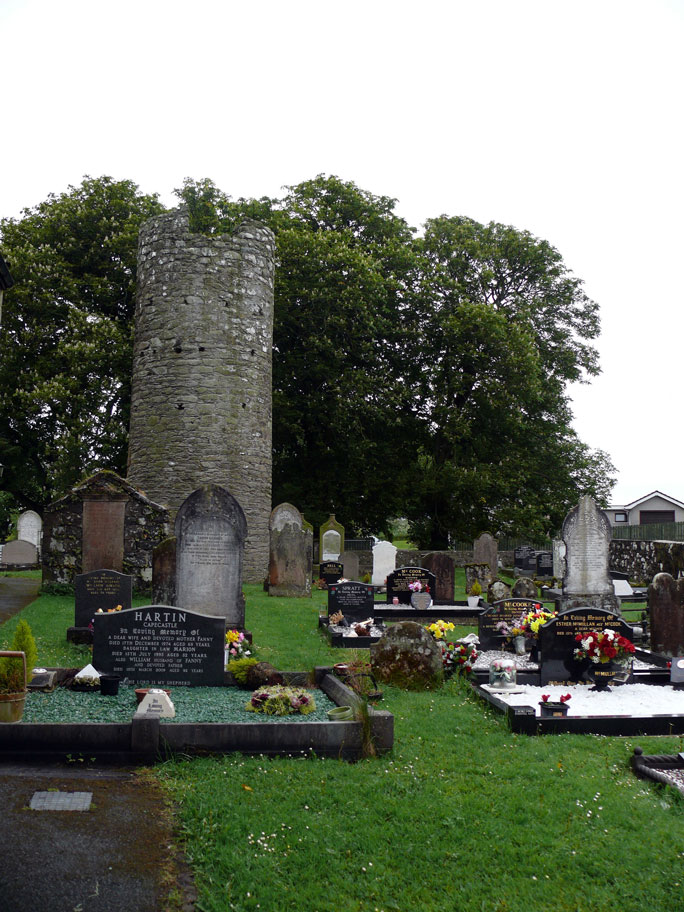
384, 562
30, 527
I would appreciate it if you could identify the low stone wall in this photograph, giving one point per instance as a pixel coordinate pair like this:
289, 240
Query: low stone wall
407, 558
643, 559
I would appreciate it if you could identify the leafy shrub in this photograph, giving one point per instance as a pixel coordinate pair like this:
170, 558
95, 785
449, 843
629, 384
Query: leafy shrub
12, 670
239, 668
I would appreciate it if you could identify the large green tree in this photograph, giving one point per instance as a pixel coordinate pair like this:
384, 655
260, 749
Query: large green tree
65, 340
509, 327
416, 376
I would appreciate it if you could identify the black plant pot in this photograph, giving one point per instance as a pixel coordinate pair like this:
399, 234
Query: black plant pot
109, 685
549, 709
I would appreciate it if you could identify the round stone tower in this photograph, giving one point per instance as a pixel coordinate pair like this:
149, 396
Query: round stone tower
201, 387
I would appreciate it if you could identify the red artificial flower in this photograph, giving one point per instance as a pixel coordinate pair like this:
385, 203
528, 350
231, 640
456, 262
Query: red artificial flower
545, 698
565, 698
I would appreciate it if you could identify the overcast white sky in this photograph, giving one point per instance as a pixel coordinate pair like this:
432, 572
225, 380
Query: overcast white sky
561, 117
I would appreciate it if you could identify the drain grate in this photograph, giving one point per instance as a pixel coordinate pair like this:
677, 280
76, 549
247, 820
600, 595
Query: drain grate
61, 801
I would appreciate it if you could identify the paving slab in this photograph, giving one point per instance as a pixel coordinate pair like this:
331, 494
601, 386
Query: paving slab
103, 842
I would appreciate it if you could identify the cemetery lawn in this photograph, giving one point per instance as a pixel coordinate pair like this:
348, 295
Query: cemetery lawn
462, 815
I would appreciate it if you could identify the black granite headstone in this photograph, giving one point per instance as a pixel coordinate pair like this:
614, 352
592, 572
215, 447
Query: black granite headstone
398, 583
354, 600
331, 571
103, 589
557, 641
544, 564
505, 610
524, 559
159, 644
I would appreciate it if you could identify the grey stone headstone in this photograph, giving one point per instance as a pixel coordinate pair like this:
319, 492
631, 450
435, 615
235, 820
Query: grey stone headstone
587, 535
486, 551
350, 564
210, 540
290, 553
524, 588
666, 614
19, 552
442, 565
558, 558
164, 572
384, 562
407, 656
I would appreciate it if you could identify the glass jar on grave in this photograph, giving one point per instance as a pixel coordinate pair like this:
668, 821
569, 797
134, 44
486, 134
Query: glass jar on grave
502, 674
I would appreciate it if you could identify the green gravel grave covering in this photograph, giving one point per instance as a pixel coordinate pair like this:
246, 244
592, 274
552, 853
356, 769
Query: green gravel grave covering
192, 704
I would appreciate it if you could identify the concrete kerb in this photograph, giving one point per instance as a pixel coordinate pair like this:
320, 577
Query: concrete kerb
146, 741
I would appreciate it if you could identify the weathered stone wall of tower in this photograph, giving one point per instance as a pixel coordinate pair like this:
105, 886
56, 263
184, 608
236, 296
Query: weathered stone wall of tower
201, 386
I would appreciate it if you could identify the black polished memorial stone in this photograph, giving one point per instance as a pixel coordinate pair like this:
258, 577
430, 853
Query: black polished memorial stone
354, 600
504, 610
105, 589
331, 571
399, 580
524, 559
544, 564
557, 641
159, 644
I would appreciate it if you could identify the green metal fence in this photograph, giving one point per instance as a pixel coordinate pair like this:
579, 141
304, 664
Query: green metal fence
673, 531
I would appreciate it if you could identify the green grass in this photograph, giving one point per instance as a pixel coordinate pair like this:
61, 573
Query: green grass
463, 815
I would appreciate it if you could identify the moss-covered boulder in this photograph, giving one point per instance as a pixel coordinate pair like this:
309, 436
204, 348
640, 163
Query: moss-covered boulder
408, 657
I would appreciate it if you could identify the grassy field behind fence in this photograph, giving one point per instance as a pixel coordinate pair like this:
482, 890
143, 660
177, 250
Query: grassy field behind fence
463, 815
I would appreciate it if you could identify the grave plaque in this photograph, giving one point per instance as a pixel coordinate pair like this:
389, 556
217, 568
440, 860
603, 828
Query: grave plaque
557, 640
354, 600
398, 583
507, 610
103, 589
544, 564
210, 535
330, 571
442, 565
103, 534
159, 644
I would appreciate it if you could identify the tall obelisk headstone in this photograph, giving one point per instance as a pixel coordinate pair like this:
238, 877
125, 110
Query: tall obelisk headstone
210, 538
587, 534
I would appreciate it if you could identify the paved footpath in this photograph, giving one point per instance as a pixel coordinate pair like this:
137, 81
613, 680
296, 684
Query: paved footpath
15, 593
115, 856
78, 839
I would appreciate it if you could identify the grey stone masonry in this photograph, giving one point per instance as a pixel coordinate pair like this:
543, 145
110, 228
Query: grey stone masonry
201, 388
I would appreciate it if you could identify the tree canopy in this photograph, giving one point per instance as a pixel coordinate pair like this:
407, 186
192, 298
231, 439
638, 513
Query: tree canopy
418, 376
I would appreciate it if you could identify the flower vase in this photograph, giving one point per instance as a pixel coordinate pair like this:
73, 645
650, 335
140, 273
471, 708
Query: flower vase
519, 645
602, 674
549, 709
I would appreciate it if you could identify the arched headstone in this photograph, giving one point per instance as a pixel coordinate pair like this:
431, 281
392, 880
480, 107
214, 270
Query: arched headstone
210, 538
384, 562
30, 527
291, 553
